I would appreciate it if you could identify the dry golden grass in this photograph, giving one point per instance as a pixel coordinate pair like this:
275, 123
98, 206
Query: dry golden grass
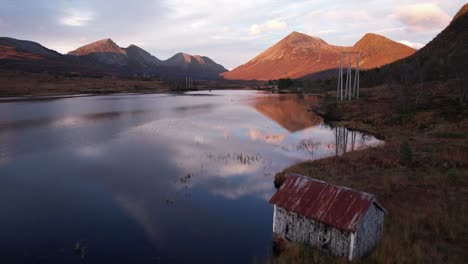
427, 197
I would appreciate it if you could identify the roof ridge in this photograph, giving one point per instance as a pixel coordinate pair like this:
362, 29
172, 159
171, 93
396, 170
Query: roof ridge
329, 184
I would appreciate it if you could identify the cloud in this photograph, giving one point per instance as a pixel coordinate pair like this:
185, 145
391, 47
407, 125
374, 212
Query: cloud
256, 134
422, 17
77, 18
270, 25
414, 45
326, 32
390, 29
348, 15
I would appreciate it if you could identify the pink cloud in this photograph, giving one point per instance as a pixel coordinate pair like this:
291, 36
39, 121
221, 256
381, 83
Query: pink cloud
422, 17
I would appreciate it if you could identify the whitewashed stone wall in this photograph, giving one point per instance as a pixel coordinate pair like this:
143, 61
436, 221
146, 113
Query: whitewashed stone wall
369, 232
315, 234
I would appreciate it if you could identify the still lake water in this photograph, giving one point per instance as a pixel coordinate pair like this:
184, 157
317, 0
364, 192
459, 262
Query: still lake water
152, 178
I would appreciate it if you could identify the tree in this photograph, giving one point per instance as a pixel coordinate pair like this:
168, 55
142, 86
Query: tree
285, 83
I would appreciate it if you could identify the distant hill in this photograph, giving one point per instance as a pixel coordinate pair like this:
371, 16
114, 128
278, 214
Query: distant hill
135, 59
101, 57
195, 65
299, 55
102, 51
139, 57
378, 50
28, 56
15, 48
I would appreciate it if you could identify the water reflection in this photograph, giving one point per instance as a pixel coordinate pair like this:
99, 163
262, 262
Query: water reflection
289, 111
162, 176
346, 140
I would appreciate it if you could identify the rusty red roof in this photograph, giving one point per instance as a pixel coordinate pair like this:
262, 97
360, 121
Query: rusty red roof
336, 206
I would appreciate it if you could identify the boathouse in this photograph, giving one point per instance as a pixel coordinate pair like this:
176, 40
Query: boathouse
333, 219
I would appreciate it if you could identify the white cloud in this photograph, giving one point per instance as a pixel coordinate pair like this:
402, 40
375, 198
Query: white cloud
77, 18
422, 17
414, 45
270, 25
348, 15
326, 32
390, 29
255, 30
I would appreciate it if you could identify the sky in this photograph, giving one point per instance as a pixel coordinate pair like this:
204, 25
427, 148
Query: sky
231, 32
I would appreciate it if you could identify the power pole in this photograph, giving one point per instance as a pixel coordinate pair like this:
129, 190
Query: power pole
351, 88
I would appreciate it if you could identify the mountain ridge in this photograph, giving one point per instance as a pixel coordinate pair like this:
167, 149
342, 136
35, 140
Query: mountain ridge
298, 55
104, 56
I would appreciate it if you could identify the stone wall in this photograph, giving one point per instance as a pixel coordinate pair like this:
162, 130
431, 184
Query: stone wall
315, 234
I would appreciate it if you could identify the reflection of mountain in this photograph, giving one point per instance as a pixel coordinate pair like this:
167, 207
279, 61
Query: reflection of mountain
289, 112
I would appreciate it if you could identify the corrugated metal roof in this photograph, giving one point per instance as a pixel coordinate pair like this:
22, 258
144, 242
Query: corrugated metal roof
336, 206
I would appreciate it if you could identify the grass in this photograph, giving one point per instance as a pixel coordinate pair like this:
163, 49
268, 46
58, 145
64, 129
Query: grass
420, 175
22, 83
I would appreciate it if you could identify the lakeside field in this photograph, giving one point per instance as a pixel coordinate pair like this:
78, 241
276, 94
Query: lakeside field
419, 174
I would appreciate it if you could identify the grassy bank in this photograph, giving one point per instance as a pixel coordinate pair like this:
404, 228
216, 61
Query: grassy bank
37, 84
419, 174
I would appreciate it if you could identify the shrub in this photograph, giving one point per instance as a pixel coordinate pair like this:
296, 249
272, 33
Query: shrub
406, 154
279, 180
453, 176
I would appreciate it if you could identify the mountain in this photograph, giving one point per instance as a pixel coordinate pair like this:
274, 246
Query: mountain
294, 56
194, 65
136, 60
24, 55
139, 56
462, 12
299, 55
378, 50
17, 49
103, 57
102, 51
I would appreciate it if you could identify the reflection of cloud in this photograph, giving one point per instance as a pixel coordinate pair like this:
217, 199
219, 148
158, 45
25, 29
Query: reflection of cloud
140, 213
256, 134
235, 169
422, 17
4, 155
227, 134
90, 151
68, 121
234, 192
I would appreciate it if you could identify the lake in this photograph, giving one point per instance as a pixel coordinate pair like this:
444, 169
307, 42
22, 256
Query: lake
158, 178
